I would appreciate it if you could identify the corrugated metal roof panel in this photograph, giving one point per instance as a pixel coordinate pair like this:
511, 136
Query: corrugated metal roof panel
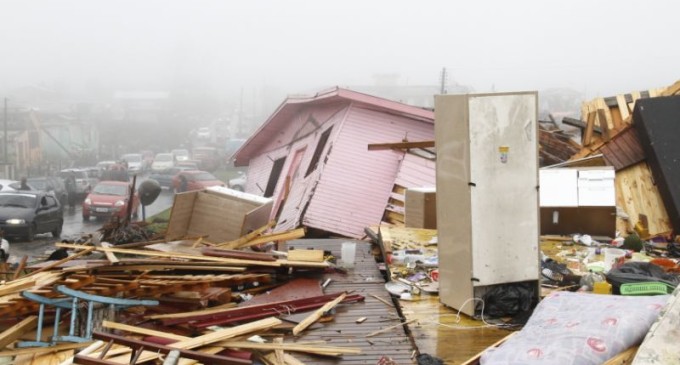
624, 150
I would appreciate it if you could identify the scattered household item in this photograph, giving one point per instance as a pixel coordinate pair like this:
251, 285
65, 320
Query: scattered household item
348, 254
640, 272
613, 257
579, 329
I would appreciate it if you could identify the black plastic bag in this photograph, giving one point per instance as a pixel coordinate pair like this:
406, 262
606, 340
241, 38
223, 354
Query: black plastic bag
507, 300
639, 272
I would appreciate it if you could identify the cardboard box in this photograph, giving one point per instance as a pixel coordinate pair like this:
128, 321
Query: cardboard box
221, 213
420, 208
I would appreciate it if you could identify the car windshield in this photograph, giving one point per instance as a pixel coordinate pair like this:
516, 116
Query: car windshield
203, 176
106, 189
39, 184
17, 200
163, 158
77, 174
133, 158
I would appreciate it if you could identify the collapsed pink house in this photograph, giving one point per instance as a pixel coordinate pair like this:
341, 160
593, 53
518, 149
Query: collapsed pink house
312, 157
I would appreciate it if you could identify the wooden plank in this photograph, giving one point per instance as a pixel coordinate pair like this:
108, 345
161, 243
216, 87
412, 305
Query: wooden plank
175, 255
110, 255
281, 236
672, 90
603, 124
209, 338
317, 314
13, 333
278, 353
623, 358
588, 133
20, 268
400, 145
637, 194
143, 331
387, 329
248, 237
43, 350
623, 109
306, 255
86, 351
57, 263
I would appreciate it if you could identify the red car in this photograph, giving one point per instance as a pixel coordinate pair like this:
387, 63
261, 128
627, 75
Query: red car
109, 198
190, 180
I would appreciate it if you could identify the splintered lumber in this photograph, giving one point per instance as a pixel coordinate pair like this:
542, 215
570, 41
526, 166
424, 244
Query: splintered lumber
86, 351
400, 145
43, 350
20, 268
317, 314
175, 255
193, 313
237, 254
292, 346
66, 259
305, 255
13, 333
248, 237
109, 255
287, 359
209, 338
281, 236
278, 353
143, 331
241, 314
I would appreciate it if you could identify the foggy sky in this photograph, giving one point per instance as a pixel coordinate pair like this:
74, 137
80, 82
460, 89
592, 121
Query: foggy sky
594, 47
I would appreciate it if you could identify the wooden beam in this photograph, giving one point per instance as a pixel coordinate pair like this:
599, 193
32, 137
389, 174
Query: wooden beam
317, 314
400, 145
281, 236
43, 350
176, 255
13, 333
20, 268
248, 237
110, 255
86, 251
387, 329
588, 133
209, 338
143, 331
604, 125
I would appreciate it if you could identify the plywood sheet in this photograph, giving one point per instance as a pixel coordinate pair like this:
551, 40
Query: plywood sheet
637, 194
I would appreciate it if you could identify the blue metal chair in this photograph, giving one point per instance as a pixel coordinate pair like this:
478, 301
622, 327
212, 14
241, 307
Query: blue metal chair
71, 302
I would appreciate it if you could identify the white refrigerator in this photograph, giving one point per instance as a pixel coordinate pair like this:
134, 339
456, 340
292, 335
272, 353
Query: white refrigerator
487, 194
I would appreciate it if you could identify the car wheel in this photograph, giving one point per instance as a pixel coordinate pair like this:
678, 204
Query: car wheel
56, 233
30, 235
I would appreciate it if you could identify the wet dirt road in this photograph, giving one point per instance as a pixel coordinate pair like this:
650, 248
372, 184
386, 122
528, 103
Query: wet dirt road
74, 227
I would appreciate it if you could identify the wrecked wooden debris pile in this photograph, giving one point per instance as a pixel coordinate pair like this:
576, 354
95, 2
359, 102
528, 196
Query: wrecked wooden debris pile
201, 302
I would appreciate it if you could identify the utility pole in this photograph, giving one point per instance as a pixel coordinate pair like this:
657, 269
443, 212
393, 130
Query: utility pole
6, 158
444, 77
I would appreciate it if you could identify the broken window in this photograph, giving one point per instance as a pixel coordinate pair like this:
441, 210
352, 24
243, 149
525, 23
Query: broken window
319, 149
274, 177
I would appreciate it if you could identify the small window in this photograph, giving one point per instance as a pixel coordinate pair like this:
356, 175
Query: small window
274, 177
319, 149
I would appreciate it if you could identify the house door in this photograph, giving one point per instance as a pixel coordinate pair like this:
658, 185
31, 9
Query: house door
287, 183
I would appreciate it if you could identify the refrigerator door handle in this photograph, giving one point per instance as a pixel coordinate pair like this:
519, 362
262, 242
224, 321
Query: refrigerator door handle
528, 128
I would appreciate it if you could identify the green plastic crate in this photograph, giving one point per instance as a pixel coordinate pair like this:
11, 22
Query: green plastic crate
646, 288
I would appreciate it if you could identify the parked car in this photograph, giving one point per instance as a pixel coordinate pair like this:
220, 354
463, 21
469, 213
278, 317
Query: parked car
135, 162
164, 177
208, 157
195, 180
163, 161
27, 213
181, 154
110, 198
9, 185
192, 164
50, 184
203, 133
83, 185
238, 183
